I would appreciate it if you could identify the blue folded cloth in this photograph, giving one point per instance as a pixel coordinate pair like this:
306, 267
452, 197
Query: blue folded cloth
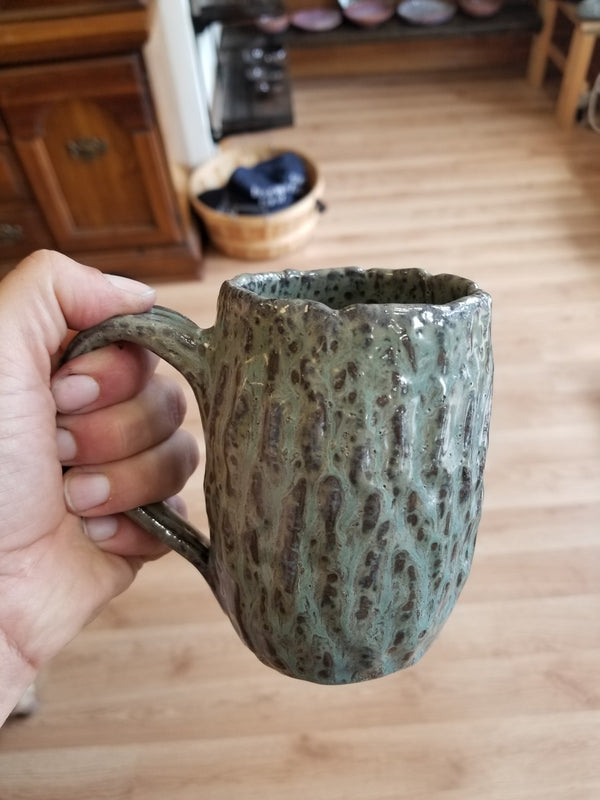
269, 186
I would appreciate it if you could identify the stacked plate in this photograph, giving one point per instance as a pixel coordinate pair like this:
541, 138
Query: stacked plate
367, 13
427, 12
317, 19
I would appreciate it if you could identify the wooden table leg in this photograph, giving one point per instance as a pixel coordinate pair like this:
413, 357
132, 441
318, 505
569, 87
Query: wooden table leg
576, 67
538, 55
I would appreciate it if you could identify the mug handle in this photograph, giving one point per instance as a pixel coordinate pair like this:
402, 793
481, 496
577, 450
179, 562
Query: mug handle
180, 342
594, 106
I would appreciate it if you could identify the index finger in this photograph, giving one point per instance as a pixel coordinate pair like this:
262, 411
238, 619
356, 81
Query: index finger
110, 375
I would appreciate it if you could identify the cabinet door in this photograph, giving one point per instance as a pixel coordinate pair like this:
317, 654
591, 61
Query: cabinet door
87, 139
22, 228
12, 184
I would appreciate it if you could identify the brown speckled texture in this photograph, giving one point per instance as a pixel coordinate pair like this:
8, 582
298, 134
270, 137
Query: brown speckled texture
346, 418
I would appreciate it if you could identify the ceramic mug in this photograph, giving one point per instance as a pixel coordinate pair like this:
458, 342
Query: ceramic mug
346, 415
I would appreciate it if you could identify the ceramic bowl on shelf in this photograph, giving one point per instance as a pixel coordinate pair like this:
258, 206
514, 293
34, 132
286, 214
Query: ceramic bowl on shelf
317, 20
426, 12
480, 8
268, 23
367, 13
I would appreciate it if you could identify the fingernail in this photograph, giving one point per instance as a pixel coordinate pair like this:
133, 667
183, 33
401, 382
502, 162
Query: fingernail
66, 445
98, 529
74, 392
130, 286
86, 490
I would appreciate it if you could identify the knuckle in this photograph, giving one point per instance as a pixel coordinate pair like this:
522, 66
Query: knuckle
175, 404
186, 457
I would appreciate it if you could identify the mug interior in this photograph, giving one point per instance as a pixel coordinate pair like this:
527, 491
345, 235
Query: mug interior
340, 288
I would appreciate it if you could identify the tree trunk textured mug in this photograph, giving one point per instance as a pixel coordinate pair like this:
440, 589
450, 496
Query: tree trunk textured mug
346, 416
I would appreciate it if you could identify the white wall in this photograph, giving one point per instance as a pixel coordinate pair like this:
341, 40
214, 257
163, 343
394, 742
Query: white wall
176, 75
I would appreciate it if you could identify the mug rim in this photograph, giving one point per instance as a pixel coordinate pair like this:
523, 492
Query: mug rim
472, 291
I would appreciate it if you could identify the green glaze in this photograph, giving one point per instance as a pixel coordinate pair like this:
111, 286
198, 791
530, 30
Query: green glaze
346, 418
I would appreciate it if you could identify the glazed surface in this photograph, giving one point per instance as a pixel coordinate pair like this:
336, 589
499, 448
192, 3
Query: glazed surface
346, 430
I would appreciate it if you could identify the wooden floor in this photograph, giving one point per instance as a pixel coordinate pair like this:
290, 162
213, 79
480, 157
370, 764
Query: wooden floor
158, 700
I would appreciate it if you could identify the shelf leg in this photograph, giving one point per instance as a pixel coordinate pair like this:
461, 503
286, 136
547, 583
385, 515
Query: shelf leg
573, 82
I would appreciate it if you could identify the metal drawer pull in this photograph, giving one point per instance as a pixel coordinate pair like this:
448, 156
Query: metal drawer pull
87, 148
10, 233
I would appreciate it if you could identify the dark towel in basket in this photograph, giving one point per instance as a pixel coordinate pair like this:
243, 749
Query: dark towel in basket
269, 186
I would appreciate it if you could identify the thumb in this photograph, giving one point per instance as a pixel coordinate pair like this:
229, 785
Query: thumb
48, 293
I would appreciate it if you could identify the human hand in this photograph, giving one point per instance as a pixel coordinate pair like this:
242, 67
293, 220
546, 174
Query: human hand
65, 550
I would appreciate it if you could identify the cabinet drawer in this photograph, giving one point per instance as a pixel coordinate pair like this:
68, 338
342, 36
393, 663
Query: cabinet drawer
87, 139
22, 230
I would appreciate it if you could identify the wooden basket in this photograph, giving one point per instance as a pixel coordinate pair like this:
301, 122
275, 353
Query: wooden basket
248, 236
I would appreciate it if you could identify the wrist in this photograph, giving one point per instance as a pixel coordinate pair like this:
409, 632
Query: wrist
16, 675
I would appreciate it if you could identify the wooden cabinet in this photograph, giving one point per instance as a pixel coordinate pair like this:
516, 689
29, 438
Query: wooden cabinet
83, 168
22, 228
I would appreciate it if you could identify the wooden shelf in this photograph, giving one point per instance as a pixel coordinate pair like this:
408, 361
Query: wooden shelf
516, 17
